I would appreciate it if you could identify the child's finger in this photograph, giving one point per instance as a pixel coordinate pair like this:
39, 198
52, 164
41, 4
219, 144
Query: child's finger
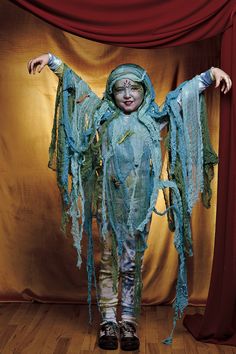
40, 68
28, 66
35, 65
218, 79
229, 84
226, 86
32, 66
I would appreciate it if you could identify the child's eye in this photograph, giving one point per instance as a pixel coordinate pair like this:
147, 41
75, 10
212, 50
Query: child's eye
136, 88
118, 90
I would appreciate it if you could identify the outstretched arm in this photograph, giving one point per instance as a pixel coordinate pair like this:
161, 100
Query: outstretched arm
214, 74
36, 65
217, 75
207, 78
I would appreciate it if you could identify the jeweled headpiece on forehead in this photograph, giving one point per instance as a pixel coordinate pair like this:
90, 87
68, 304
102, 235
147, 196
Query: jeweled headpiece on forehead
130, 71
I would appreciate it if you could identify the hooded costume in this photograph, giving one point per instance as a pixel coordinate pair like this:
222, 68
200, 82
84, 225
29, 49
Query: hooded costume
109, 164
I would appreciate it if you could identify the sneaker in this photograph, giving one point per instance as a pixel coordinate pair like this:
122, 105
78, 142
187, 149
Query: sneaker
108, 336
129, 339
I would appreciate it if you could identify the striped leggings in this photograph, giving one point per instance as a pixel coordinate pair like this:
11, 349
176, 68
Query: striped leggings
108, 286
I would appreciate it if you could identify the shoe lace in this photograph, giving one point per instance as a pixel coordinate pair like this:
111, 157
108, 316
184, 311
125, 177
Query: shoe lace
110, 329
128, 329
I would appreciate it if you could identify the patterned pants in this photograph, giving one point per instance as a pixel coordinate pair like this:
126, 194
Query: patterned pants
108, 293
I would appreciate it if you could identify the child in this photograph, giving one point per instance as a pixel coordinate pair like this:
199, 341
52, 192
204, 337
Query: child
119, 173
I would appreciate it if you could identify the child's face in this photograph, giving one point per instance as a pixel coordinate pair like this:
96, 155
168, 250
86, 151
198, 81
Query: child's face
128, 95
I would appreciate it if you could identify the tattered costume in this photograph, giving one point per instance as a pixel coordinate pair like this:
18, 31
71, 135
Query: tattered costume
109, 164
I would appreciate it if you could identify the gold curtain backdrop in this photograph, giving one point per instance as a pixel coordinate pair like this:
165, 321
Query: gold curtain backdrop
37, 261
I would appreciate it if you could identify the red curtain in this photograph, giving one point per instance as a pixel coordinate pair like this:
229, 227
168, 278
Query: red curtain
218, 325
152, 23
136, 23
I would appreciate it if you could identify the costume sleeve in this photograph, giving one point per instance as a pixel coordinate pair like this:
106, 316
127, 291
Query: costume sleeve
74, 154
189, 137
56, 65
70, 152
190, 169
204, 80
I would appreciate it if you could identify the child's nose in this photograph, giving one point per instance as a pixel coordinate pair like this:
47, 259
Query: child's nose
127, 92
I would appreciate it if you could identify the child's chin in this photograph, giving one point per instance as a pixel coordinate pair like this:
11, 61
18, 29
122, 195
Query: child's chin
128, 110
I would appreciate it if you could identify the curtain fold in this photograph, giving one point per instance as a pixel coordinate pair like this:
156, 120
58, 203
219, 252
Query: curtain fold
136, 23
149, 24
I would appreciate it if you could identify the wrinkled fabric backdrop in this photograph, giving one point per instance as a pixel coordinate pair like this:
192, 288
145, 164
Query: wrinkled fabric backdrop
37, 262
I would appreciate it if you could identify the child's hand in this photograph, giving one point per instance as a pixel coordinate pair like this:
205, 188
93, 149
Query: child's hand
219, 75
37, 64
